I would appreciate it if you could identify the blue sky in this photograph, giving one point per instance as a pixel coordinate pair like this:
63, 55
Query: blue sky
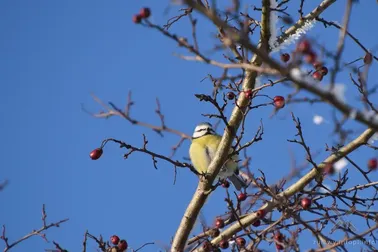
54, 54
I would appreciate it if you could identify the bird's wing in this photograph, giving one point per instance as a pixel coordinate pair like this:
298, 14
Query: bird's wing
212, 146
230, 166
233, 159
200, 156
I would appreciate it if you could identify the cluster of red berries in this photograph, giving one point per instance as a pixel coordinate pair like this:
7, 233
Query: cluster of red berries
320, 71
260, 214
219, 223
121, 245
278, 238
241, 196
223, 244
143, 13
240, 241
304, 48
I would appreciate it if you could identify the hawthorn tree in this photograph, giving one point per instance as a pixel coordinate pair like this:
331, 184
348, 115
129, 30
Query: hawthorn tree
258, 48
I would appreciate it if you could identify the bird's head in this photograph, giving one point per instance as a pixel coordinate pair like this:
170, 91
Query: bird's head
203, 129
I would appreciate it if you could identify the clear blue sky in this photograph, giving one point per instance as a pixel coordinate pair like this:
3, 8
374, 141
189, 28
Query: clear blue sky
54, 54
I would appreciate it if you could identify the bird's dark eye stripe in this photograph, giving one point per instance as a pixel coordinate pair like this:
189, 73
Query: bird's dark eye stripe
201, 130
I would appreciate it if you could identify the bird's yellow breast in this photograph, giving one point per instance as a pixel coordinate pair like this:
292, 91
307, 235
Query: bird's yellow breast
202, 149
211, 141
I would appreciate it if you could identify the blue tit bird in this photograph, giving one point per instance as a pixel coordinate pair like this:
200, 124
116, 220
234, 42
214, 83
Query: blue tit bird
204, 145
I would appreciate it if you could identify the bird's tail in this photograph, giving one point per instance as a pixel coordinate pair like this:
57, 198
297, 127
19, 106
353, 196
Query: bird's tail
238, 182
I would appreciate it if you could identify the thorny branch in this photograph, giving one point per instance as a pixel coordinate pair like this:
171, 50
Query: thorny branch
113, 110
39, 232
153, 155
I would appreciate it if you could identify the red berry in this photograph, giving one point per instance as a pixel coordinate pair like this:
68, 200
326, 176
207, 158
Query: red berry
279, 101
242, 196
223, 244
260, 213
225, 184
279, 246
324, 70
230, 95
122, 245
317, 76
96, 154
317, 65
285, 57
368, 59
219, 223
145, 12
257, 223
306, 203
373, 164
240, 241
114, 239
329, 169
248, 94
310, 57
137, 19
207, 247
304, 46
278, 236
